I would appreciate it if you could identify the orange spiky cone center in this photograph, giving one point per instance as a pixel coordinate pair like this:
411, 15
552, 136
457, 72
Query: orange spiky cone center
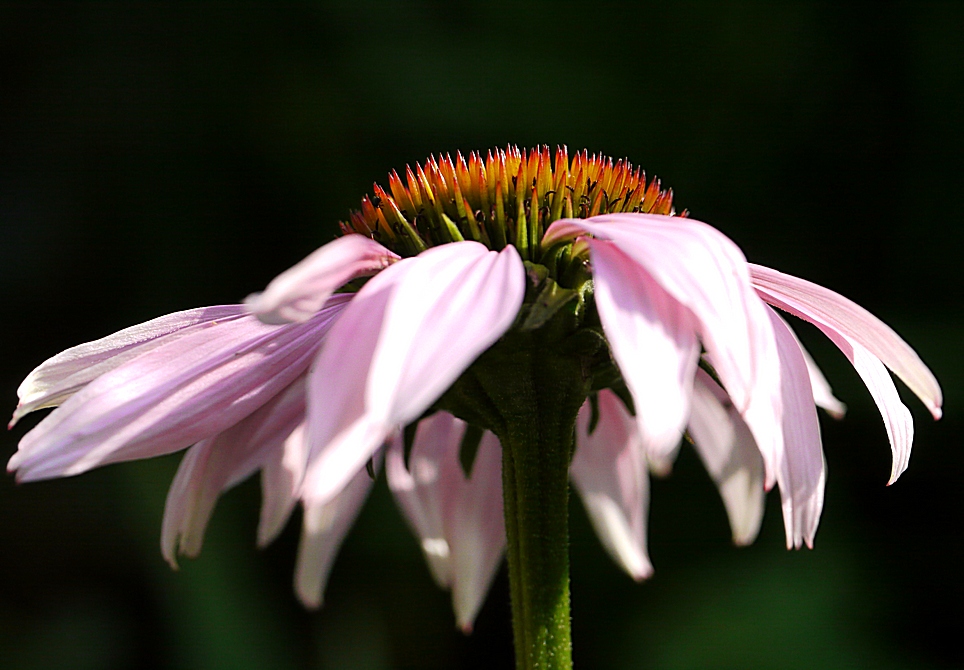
509, 197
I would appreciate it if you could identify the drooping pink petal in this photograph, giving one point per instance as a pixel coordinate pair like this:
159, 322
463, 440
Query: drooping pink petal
324, 529
281, 476
420, 491
300, 291
823, 396
173, 396
458, 520
58, 378
802, 473
705, 272
609, 472
216, 464
728, 451
869, 344
830, 311
475, 528
408, 335
653, 339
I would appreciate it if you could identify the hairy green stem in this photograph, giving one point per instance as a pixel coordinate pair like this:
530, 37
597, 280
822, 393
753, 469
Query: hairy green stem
532, 395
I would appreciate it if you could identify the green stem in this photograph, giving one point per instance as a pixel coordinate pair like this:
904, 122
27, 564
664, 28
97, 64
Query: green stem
535, 393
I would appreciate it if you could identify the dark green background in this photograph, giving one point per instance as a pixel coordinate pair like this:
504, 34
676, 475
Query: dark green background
155, 157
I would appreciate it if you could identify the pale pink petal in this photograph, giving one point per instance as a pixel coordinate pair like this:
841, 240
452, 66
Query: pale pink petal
475, 528
324, 529
300, 291
338, 428
58, 378
184, 391
823, 396
802, 473
653, 339
831, 311
216, 464
458, 520
281, 476
408, 335
609, 472
897, 418
706, 273
869, 345
729, 453
418, 488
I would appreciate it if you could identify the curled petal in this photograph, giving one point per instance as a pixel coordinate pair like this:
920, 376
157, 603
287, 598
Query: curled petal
58, 378
173, 396
609, 472
409, 334
324, 529
216, 464
802, 472
729, 453
653, 339
830, 311
458, 520
299, 292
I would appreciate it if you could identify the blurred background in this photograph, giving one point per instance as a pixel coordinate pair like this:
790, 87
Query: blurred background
160, 156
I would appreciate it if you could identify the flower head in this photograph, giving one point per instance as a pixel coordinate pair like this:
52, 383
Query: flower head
452, 300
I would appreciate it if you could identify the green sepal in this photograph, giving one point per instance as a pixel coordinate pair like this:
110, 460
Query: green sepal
550, 300
469, 448
408, 441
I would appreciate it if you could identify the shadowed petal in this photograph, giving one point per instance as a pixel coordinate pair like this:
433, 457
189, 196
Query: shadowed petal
58, 378
300, 291
830, 311
216, 464
802, 471
475, 528
653, 339
324, 529
281, 476
730, 455
609, 472
458, 520
184, 391
420, 491
408, 335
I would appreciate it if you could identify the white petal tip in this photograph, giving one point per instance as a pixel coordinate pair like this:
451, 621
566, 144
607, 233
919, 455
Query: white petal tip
936, 412
642, 575
466, 628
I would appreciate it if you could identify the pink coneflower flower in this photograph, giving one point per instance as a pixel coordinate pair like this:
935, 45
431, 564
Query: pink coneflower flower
482, 332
